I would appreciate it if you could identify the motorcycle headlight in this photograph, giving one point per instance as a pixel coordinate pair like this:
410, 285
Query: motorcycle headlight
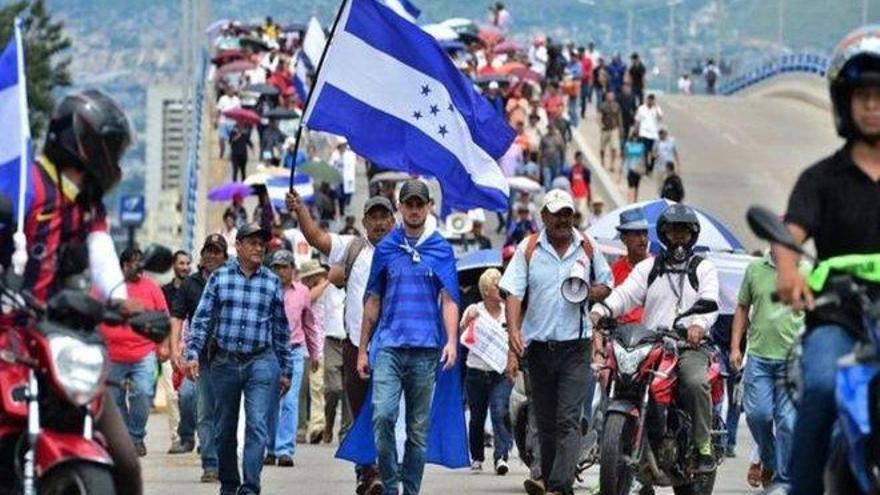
79, 367
628, 361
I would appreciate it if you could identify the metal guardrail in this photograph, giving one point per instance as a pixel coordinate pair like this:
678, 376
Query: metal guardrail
807, 63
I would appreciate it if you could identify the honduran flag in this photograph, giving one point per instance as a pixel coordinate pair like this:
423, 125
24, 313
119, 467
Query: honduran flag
15, 138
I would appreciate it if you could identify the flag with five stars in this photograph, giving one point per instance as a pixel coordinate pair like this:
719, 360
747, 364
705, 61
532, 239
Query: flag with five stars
395, 94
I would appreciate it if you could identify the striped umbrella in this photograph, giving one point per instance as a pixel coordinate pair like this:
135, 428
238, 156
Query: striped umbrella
714, 236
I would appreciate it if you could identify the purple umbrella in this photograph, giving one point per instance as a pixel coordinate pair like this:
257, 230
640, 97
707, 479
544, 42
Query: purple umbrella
225, 192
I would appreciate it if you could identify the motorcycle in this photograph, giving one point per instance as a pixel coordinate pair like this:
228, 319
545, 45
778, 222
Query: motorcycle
854, 463
53, 370
646, 434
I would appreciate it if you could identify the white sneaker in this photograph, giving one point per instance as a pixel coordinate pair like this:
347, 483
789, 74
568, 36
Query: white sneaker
501, 467
476, 466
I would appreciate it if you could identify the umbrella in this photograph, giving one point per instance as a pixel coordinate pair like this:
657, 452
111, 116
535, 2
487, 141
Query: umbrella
526, 74
277, 188
714, 236
235, 66
508, 46
472, 264
321, 172
281, 114
440, 32
391, 176
263, 89
509, 66
226, 56
257, 179
460, 25
292, 28
228, 190
469, 38
488, 78
524, 184
243, 115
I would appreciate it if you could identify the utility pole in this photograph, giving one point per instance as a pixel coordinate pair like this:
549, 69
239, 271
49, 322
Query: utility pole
671, 50
629, 28
781, 33
864, 12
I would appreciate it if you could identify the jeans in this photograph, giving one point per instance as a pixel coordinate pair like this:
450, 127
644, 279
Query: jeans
822, 347
768, 408
284, 413
557, 374
256, 378
410, 371
573, 115
206, 423
586, 89
134, 395
187, 397
488, 391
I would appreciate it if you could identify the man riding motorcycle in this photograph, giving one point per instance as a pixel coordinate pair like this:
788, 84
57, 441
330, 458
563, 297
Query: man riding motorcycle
666, 286
67, 230
836, 203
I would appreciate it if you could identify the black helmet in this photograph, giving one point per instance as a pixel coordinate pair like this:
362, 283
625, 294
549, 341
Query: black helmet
855, 62
89, 131
682, 215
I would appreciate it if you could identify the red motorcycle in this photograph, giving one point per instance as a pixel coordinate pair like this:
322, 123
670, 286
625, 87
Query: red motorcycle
53, 370
646, 433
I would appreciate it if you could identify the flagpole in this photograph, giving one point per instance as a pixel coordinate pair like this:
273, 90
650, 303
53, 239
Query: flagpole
302, 120
19, 258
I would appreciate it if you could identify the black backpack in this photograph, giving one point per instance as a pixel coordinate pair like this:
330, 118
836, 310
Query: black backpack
660, 268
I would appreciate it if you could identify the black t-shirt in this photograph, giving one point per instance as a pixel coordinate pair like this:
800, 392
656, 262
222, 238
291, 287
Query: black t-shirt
170, 292
186, 301
839, 207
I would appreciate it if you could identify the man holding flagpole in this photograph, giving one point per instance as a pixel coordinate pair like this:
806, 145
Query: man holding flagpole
407, 333
58, 204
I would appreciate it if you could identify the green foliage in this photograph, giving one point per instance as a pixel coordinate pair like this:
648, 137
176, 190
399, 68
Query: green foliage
46, 65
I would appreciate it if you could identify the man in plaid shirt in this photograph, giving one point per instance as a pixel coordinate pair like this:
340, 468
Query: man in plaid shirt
242, 314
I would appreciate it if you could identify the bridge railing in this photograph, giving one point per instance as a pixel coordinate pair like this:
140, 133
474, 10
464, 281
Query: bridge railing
805, 63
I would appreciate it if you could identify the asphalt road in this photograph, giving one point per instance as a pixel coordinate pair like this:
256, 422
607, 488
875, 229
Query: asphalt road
741, 150
317, 472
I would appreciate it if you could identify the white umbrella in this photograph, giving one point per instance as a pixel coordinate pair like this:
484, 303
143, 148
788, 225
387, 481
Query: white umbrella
440, 32
524, 184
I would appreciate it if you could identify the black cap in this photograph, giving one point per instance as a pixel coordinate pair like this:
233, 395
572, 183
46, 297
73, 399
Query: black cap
252, 229
217, 241
414, 188
378, 202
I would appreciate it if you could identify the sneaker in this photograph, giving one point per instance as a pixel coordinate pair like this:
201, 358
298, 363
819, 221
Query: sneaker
705, 464
376, 488
285, 461
501, 467
210, 476
270, 460
534, 487
182, 447
141, 449
476, 466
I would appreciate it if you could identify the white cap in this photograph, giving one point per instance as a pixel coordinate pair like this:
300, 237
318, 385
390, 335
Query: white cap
557, 199
493, 85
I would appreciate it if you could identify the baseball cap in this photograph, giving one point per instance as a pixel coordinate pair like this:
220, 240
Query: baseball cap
414, 188
216, 241
252, 229
282, 257
557, 199
632, 219
493, 85
378, 201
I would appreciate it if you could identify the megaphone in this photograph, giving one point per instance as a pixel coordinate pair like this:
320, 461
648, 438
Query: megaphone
576, 287
458, 224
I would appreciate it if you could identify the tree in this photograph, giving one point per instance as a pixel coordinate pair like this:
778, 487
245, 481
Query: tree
46, 66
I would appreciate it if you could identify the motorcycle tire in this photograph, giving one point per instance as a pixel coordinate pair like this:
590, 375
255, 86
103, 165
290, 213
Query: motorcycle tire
839, 480
615, 474
78, 478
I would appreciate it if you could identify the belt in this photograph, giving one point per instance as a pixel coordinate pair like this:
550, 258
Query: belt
240, 356
553, 345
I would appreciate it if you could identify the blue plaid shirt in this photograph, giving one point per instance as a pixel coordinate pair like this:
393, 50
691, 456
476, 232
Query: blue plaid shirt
245, 314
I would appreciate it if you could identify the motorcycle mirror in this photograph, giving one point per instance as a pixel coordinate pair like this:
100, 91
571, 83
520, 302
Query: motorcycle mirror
767, 226
157, 259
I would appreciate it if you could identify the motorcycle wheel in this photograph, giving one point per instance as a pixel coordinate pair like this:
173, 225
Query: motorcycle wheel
615, 474
78, 478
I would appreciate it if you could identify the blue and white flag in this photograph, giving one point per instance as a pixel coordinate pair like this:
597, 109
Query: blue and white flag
301, 70
390, 89
277, 188
404, 8
15, 135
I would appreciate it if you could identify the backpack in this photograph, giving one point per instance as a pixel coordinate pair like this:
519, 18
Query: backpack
672, 189
351, 253
660, 268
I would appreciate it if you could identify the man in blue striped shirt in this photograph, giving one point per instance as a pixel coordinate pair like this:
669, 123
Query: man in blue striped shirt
414, 283
242, 313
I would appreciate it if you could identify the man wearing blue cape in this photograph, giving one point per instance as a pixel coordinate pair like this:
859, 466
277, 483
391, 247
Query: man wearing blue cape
412, 303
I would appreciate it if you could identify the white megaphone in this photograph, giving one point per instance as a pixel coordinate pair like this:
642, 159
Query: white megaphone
576, 288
